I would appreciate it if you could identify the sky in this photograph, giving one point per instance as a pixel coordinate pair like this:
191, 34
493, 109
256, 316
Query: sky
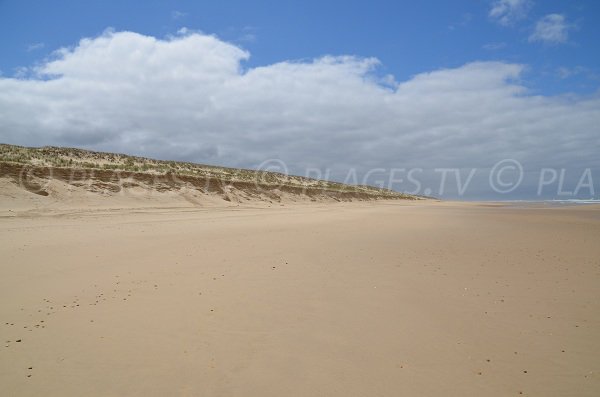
477, 99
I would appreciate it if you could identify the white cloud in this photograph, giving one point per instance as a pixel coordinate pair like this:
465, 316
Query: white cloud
247, 38
552, 29
507, 12
494, 46
564, 72
35, 46
178, 14
188, 97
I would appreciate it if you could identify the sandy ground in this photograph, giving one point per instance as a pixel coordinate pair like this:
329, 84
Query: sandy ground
355, 299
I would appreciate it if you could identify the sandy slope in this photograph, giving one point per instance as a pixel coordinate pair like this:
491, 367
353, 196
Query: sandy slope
352, 299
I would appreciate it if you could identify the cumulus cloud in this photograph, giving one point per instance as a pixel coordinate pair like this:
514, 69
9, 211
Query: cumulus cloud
507, 12
189, 97
551, 29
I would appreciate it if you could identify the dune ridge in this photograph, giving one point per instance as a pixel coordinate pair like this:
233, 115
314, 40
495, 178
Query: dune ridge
53, 173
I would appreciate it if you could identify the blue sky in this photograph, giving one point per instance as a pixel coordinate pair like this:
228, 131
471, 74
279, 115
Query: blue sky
361, 92
408, 37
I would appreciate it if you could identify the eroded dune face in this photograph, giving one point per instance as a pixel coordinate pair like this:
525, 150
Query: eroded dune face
59, 176
90, 186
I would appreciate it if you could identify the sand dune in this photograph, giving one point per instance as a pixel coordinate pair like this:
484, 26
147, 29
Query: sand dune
343, 299
52, 177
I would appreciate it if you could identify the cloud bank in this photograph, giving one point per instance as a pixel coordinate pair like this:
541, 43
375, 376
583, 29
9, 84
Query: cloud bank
189, 97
